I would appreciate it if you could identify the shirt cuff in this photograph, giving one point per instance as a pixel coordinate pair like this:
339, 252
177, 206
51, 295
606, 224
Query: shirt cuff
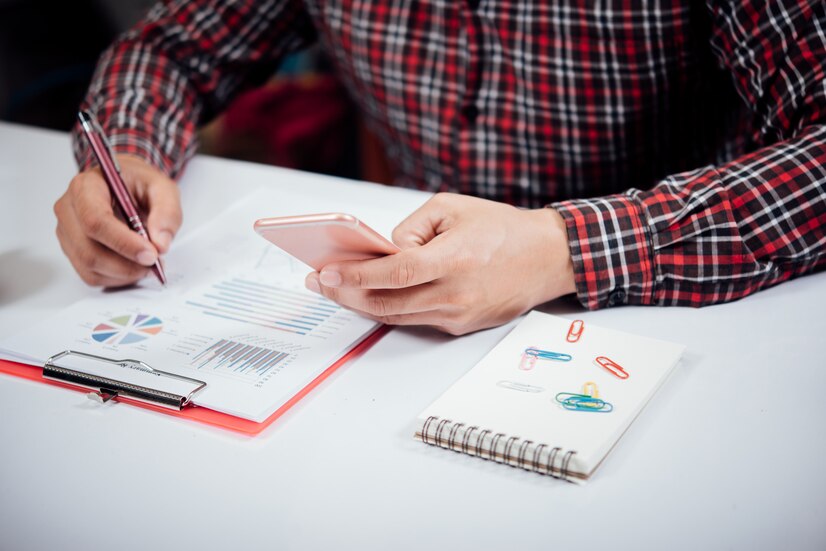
124, 141
611, 249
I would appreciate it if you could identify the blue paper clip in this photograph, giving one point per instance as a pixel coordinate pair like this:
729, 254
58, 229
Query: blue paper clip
548, 355
583, 402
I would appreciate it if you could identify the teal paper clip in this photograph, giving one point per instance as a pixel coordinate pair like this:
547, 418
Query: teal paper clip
548, 355
583, 402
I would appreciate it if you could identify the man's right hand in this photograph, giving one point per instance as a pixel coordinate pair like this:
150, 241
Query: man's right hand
101, 247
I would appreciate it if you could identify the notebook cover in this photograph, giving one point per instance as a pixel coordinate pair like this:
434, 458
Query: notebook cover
204, 415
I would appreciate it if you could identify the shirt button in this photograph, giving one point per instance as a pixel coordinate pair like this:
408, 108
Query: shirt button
616, 297
470, 112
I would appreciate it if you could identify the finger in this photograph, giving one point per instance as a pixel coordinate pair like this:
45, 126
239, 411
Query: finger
91, 259
101, 280
446, 317
433, 318
408, 268
383, 302
92, 208
97, 279
312, 283
94, 279
423, 224
163, 202
436, 319
113, 266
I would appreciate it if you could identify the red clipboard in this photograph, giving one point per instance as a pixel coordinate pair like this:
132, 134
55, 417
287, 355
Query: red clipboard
202, 414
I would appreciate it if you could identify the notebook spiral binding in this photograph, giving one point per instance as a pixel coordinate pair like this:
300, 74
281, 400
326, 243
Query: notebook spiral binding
516, 452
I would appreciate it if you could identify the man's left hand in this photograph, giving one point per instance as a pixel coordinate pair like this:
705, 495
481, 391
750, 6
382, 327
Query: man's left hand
466, 264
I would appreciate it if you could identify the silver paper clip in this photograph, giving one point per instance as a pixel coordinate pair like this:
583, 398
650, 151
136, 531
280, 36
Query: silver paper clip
522, 387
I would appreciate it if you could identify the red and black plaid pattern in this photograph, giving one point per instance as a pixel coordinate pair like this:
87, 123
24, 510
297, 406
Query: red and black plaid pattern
683, 143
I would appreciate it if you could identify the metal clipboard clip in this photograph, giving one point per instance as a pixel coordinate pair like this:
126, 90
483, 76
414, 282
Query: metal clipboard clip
131, 379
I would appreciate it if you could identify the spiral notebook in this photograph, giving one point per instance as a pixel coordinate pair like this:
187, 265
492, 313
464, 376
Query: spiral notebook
553, 397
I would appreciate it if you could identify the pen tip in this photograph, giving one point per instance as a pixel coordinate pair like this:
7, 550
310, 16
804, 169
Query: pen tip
159, 273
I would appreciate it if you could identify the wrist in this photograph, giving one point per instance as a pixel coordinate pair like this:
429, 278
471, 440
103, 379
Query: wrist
558, 265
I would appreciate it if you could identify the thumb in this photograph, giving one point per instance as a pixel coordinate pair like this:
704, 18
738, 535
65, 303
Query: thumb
163, 201
424, 223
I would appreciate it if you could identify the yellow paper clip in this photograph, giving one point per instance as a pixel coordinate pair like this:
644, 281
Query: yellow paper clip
590, 389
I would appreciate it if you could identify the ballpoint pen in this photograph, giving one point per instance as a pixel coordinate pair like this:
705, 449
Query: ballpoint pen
111, 173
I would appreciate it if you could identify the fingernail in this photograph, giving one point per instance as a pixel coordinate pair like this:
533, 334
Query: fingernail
312, 284
146, 258
163, 239
330, 279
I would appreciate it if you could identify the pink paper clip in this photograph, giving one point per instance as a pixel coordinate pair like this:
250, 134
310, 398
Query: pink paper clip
527, 362
575, 331
612, 366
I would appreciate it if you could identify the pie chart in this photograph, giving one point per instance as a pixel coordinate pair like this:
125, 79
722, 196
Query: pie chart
127, 329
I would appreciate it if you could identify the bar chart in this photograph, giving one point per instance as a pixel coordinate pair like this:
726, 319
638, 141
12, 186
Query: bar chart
264, 305
233, 357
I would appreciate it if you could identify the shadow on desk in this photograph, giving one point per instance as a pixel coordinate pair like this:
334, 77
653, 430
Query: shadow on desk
22, 275
567, 306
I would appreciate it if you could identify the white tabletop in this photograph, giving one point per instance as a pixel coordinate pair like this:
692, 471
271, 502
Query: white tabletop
728, 454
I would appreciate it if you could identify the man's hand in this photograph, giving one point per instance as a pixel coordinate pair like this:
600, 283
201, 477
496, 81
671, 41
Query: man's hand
466, 264
101, 247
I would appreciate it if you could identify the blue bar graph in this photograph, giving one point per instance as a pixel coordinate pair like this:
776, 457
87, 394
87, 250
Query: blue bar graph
266, 306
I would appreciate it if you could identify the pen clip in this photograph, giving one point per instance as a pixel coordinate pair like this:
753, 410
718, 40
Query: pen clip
90, 123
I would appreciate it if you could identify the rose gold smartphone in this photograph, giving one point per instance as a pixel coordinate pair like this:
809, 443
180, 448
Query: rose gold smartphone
320, 239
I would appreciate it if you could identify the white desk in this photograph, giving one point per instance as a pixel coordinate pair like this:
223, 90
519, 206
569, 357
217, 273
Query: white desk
729, 454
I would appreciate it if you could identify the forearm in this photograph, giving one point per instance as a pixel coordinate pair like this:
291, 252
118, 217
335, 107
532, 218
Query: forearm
146, 105
180, 66
707, 236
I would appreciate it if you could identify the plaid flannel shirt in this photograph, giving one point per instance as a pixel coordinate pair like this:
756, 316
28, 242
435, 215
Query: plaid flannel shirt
683, 142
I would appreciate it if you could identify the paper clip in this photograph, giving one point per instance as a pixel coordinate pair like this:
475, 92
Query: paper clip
575, 331
531, 354
527, 362
590, 389
611, 366
522, 387
548, 355
583, 402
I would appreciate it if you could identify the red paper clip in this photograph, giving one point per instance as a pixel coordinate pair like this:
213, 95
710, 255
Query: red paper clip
612, 366
575, 331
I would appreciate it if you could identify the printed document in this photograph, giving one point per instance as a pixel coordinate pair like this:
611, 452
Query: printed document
235, 314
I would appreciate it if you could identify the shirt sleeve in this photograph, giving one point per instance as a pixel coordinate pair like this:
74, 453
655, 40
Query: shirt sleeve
181, 65
719, 233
